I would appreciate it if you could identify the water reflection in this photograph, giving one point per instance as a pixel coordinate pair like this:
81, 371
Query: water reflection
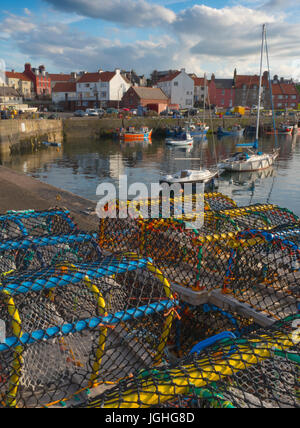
80, 166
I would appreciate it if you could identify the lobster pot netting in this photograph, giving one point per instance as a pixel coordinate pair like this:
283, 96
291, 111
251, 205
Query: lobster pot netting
261, 370
194, 258
264, 272
18, 224
258, 268
117, 224
39, 252
78, 326
257, 216
198, 323
289, 232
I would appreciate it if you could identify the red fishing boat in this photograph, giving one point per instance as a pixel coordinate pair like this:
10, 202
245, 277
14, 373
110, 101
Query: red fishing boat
143, 134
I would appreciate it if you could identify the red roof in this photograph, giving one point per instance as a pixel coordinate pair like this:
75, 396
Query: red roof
105, 76
284, 89
20, 76
65, 87
199, 81
249, 81
60, 77
169, 77
89, 77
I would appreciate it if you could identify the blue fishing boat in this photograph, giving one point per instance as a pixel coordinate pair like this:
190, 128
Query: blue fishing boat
236, 130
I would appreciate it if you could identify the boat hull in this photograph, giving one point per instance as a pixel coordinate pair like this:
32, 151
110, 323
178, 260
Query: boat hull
223, 132
131, 136
253, 165
201, 178
181, 143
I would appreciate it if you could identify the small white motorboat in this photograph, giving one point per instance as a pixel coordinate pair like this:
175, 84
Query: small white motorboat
190, 176
249, 161
185, 139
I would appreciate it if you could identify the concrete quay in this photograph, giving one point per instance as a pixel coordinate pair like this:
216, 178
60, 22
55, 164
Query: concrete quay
21, 192
13, 133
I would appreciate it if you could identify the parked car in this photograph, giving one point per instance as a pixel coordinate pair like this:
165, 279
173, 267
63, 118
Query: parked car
53, 116
191, 112
100, 112
80, 113
164, 113
112, 110
91, 112
176, 114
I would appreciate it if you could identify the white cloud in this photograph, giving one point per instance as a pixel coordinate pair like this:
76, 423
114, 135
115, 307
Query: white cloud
200, 39
137, 13
17, 24
27, 12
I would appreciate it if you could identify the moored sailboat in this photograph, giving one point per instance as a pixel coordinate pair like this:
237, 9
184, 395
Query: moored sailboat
250, 160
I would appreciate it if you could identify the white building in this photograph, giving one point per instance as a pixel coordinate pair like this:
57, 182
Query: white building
179, 88
200, 90
64, 92
9, 97
102, 89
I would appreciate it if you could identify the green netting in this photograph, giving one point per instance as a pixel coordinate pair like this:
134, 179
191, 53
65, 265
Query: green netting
261, 370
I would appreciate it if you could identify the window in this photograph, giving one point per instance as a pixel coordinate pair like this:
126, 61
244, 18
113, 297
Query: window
87, 85
280, 97
175, 83
189, 102
103, 85
279, 105
294, 97
103, 94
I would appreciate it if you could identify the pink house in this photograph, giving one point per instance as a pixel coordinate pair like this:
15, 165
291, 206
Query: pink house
41, 82
225, 93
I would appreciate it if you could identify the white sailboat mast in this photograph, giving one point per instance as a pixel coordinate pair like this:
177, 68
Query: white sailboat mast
260, 81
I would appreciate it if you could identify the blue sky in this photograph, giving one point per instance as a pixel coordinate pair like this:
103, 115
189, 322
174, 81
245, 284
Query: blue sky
200, 36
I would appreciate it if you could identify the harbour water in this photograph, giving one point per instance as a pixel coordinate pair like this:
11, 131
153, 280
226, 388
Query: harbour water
80, 166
